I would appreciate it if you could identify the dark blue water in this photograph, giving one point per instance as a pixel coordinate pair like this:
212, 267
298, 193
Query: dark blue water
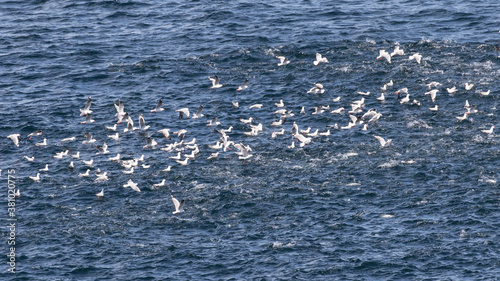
425, 207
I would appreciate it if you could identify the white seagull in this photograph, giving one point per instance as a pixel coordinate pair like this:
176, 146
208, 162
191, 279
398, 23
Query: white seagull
417, 57
179, 206
198, 113
158, 107
243, 86
489, 131
283, 60
384, 54
215, 82
16, 138
182, 112
382, 141
86, 110
319, 59
37, 178
132, 185
44, 143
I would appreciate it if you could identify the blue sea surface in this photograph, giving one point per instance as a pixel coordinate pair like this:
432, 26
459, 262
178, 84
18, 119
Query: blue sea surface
423, 207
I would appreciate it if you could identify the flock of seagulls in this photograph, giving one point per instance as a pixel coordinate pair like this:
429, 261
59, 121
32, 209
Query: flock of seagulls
183, 152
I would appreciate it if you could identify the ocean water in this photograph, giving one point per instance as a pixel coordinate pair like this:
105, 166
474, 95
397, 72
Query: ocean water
424, 207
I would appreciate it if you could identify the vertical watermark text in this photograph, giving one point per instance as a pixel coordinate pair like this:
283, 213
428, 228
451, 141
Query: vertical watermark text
12, 194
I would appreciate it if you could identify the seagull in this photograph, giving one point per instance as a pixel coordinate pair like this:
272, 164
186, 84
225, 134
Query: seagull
115, 137
116, 158
434, 108
302, 139
35, 133
405, 99
112, 128
213, 122
181, 134
68, 139
132, 185
150, 142
327, 133
432, 93
182, 112
243, 154
44, 169
389, 84
463, 117
162, 183
257, 105
166, 133
235, 104
37, 178
167, 169
246, 121
158, 107
128, 172
88, 163
177, 157
86, 174
277, 133
30, 159
120, 111
102, 149
213, 155
451, 90
417, 57
364, 93
243, 86
60, 155
397, 51
339, 110
382, 97
384, 54
88, 138
277, 123
489, 131
318, 88
44, 143
215, 82
320, 59
433, 84
198, 113
86, 110
382, 141
142, 123
179, 207
283, 60
100, 194
16, 138
469, 86
102, 177
484, 93
88, 119
77, 155
183, 162
279, 104
71, 165
337, 99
